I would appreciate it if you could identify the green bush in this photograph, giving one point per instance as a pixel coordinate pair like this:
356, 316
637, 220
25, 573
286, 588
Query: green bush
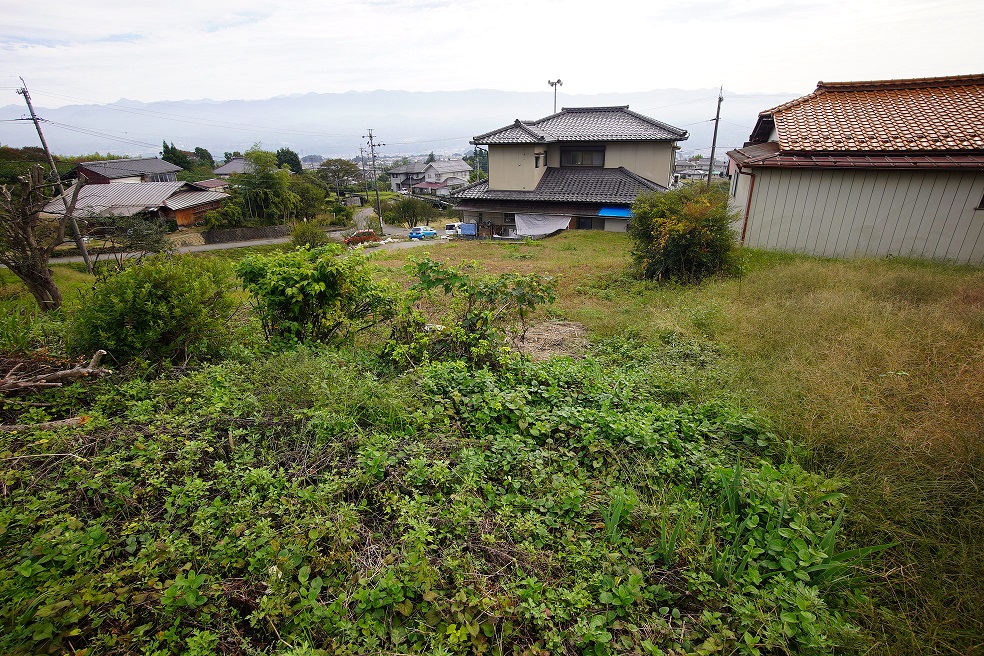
306, 233
472, 319
162, 309
684, 234
314, 295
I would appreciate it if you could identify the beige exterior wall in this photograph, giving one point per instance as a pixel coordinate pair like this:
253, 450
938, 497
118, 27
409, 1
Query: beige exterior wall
922, 214
653, 161
513, 167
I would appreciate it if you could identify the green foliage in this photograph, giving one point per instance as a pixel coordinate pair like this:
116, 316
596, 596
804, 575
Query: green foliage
311, 196
166, 308
315, 295
139, 235
308, 234
204, 158
304, 500
683, 234
287, 157
408, 211
471, 320
175, 156
340, 174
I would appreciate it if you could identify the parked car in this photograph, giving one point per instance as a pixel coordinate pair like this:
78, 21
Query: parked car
452, 229
361, 237
422, 232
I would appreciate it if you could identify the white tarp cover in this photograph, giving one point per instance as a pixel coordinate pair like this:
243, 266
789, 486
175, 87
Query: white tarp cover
541, 224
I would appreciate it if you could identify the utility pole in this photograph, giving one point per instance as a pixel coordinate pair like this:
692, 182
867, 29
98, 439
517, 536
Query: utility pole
375, 177
714, 140
362, 163
54, 173
555, 84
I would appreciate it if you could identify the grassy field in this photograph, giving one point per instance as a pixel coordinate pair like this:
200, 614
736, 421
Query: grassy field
874, 369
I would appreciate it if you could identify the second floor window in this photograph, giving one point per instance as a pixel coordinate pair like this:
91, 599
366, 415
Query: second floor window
582, 157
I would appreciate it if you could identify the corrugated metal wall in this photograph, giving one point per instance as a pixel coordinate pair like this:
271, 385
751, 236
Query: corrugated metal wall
924, 214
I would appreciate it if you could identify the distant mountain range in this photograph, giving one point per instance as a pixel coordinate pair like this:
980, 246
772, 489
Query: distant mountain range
335, 124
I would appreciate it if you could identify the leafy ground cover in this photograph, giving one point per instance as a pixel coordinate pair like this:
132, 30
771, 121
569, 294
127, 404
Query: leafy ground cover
629, 502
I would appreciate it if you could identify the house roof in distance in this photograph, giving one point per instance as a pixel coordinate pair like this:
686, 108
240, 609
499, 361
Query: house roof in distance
130, 199
234, 165
127, 168
922, 114
589, 185
449, 165
616, 123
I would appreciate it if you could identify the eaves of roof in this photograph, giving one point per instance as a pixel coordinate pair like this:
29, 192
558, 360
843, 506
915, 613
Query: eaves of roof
617, 123
889, 161
617, 185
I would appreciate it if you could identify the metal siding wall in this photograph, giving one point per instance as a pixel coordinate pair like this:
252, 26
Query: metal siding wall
927, 214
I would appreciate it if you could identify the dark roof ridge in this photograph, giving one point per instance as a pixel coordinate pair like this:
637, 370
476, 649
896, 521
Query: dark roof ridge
600, 108
903, 83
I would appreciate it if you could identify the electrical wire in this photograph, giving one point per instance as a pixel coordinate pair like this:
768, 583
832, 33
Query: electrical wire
183, 118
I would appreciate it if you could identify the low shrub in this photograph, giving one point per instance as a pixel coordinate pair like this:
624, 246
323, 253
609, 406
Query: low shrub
306, 233
162, 309
314, 295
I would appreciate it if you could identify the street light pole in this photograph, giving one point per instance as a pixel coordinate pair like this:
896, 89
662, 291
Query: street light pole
555, 84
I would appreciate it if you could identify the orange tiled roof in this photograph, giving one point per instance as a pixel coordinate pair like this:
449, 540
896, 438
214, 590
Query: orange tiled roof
924, 114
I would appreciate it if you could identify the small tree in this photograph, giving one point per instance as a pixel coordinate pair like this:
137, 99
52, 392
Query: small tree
684, 234
287, 157
409, 212
204, 157
339, 173
175, 156
27, 239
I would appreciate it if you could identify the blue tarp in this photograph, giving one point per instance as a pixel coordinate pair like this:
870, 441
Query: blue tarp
469, 229
619, 212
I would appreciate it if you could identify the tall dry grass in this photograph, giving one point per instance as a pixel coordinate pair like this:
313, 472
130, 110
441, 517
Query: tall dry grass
878, 368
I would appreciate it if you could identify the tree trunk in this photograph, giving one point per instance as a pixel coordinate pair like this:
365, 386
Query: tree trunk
45, 291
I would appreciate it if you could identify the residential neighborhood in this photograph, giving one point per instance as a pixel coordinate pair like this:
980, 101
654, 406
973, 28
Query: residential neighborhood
601, 382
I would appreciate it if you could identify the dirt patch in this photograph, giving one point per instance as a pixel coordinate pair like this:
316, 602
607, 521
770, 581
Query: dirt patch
550, 338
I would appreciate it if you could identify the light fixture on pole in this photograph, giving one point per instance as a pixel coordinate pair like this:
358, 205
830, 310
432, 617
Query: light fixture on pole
555, 84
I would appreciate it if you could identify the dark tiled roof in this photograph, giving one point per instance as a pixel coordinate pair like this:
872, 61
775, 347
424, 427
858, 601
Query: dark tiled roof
887, 116
586, 185
126, 168
533, 207
584, 124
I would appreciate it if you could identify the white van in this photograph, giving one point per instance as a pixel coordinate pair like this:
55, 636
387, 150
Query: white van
452, 229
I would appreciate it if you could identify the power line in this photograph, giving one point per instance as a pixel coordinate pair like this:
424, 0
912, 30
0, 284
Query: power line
207, 122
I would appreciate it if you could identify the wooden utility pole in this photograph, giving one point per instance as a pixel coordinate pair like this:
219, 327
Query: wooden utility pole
375, 177
54, 172
714, 140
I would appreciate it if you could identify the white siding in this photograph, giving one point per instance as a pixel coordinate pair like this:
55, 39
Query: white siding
925, 214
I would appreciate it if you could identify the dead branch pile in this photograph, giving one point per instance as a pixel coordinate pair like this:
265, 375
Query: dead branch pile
17, 383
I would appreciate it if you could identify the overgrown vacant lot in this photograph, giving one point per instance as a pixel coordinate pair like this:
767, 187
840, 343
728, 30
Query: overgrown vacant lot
698, 483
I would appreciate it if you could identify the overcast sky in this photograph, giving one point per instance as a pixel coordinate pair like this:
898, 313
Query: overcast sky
106, 50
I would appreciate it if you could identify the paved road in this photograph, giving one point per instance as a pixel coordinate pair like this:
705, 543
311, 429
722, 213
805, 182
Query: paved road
391, 231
